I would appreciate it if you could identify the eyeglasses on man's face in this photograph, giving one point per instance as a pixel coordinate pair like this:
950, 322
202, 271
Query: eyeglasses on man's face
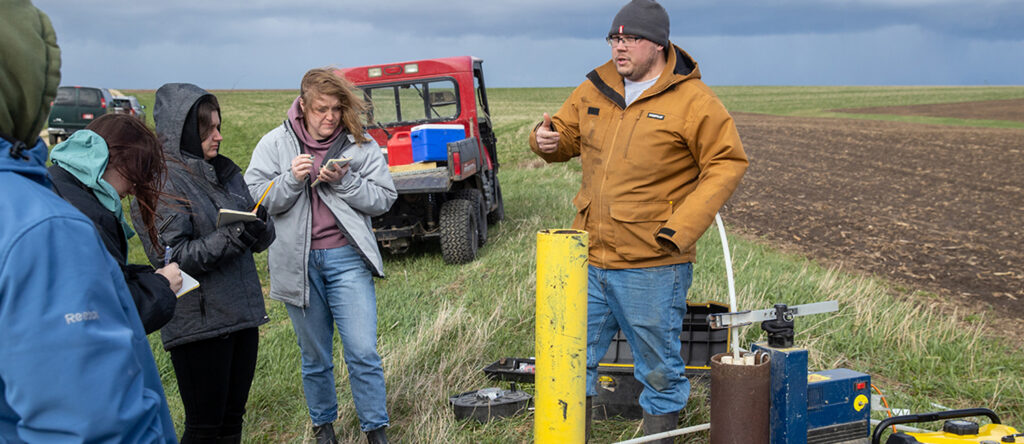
628, 41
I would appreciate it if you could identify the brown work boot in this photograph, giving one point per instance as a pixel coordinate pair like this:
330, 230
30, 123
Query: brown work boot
377, 436
661, 423
324, 434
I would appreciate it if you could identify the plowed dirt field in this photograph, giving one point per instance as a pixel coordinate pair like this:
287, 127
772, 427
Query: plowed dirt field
935, 208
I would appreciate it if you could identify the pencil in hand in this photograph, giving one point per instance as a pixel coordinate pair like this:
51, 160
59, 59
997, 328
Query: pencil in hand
257, 207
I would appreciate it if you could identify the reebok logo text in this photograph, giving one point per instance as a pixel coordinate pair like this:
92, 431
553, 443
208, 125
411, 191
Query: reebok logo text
72, 318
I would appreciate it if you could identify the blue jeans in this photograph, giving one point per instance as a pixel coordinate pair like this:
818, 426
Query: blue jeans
648, 305
342, 293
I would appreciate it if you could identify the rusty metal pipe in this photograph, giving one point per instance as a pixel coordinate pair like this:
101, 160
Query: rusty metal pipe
740, 401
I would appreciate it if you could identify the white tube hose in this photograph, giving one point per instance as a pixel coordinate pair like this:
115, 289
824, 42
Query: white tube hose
732, 286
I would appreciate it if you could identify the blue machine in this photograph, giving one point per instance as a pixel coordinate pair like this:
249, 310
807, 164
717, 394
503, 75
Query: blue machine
838, 406
826, 407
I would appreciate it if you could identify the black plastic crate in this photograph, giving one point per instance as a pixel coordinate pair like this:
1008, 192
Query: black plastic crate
700, 342
511, 369
618, 391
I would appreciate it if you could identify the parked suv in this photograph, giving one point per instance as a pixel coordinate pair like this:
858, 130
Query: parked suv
73, 109
130, 105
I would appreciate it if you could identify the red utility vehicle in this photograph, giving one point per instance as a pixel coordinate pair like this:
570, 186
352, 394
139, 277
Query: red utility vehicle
450, 191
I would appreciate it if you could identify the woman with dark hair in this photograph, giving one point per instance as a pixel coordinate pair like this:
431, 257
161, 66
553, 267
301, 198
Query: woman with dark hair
213, 336
113, 157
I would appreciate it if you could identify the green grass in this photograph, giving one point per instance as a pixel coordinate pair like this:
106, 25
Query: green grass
818, 101
439, 325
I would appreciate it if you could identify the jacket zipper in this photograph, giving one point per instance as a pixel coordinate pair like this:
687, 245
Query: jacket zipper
600, 190
202, 307
307, 240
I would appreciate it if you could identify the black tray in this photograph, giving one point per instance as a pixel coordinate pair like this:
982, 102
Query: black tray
508, 403
511, 369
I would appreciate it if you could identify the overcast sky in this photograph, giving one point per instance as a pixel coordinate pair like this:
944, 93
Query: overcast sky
260, 44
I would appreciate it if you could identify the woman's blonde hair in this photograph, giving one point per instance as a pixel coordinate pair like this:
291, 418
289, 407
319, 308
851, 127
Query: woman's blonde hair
323, 81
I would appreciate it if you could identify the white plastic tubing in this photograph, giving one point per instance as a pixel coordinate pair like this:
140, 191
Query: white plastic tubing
669, 434
732, 286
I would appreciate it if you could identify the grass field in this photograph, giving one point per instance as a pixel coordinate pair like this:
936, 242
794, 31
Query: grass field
439, 325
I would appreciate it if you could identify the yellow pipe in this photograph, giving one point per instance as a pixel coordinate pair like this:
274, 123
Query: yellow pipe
561, 336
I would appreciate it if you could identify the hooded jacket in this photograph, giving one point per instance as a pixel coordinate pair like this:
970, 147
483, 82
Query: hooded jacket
229, 297
31, 70
660, 167
75, 365
154, 299
366, 190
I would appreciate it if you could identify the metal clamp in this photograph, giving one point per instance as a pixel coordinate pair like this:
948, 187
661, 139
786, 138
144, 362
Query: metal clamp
741, 318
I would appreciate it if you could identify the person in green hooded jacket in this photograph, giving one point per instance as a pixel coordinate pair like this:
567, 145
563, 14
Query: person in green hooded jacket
115, 156
75, 365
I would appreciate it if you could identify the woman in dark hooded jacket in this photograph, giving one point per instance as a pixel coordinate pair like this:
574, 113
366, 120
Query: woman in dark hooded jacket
115, 156
213, 336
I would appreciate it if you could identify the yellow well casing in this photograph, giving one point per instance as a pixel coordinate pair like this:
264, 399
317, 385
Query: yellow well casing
561, 336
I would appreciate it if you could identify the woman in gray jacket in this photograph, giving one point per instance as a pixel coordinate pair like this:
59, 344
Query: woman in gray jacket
213, 335
323, 264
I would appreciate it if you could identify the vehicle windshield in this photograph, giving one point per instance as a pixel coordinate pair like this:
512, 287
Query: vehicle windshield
422, 101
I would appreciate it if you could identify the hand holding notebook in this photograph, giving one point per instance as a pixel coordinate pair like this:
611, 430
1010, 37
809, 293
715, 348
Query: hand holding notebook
334, 165
225, 216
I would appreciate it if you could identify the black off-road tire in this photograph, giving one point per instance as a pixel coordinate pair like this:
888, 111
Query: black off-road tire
54, 139
459, 231
474, 195
498, 214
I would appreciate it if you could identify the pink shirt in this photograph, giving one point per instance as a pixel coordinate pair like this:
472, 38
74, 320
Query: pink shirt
325, 231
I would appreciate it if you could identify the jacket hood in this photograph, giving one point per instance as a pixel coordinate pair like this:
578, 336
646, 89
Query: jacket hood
85, 155
174, 103
27, 161
30, 63
679, 67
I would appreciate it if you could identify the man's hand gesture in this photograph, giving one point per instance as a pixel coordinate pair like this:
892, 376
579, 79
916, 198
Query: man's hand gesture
547, 137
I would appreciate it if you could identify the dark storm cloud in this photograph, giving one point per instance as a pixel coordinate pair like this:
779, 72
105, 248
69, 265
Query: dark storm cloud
997, 20
269, 43
984, 19
194, 21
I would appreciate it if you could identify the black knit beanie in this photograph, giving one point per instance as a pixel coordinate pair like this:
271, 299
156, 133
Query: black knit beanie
645, 18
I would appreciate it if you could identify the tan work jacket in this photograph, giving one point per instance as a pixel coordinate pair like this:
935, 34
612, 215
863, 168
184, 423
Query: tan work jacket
661, 167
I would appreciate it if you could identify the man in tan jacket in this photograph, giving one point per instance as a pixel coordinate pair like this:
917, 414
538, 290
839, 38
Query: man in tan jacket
660, 156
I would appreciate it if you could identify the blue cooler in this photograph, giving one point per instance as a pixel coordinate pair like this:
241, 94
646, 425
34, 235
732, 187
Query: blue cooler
430, 141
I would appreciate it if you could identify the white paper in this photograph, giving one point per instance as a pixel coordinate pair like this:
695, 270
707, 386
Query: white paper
188, 283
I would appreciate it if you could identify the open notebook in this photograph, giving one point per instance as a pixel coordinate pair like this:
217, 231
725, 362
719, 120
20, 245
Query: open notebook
188, 283
227, 217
